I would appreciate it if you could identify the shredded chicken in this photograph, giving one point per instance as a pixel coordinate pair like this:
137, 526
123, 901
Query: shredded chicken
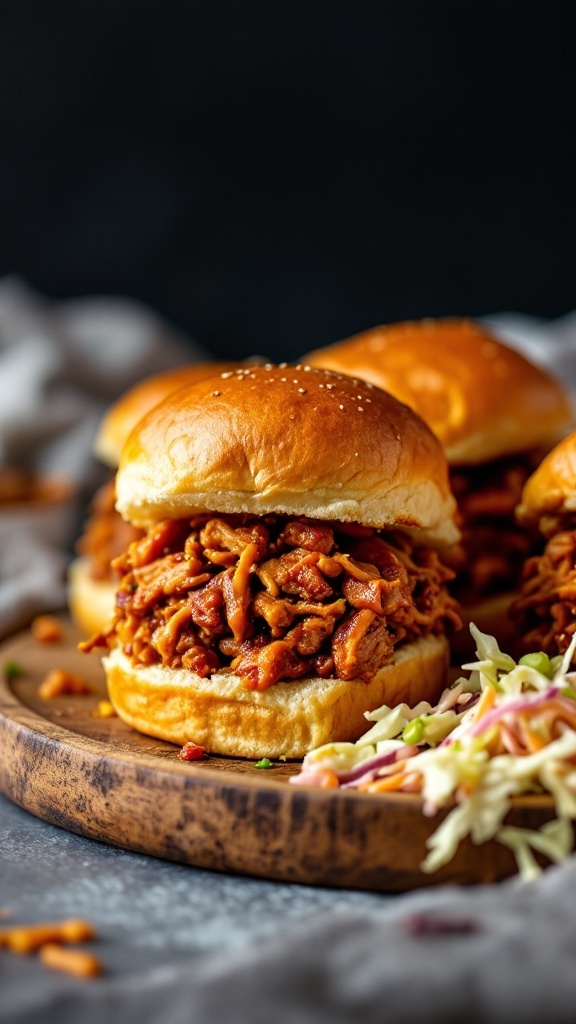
275, 598
106, 535
494, 547
545, 611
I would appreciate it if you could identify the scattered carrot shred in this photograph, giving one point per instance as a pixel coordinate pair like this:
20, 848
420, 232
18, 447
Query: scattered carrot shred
73, 961
485, 703
59, 683
46, 629
48, 940
104, 710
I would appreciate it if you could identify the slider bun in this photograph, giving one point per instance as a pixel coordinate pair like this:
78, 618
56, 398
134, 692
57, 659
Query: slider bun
295, 441
91, 601
124, 415
286, 720
551, 490
482, 399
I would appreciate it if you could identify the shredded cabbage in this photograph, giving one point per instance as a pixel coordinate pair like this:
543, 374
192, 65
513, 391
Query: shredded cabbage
505, 730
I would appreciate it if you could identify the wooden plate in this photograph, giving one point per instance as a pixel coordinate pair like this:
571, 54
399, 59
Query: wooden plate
99, 778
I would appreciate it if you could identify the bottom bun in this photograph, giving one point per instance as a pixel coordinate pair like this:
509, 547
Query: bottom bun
286, 720
91, 601
491, 616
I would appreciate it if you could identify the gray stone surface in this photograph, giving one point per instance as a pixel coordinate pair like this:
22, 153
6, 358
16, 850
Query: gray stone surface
147, 912
183, 946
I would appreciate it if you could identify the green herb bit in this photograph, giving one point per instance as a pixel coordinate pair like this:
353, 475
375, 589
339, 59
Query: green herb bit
12, 670
567, 691
414, 731
540, 662
264, 763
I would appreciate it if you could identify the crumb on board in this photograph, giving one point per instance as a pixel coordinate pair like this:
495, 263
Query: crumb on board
60, 683
104, 710
46, 629
191, 752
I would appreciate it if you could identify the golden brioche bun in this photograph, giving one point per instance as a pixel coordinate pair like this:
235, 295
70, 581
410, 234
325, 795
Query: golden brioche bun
124, 415
482, 399
286, 720
296, 441
551, 490
91, 601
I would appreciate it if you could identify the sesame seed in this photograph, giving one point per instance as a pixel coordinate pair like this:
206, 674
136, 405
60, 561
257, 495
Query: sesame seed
282, 366
268, 366
294, 381
229, 373
283, 379
340, 406
216, 393
356, 454
301, 391
360, 409
328, 387
307, 369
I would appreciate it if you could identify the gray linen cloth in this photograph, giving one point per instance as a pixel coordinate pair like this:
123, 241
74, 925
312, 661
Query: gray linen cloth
61, 365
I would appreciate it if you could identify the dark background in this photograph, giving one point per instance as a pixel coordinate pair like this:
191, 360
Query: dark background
274, 175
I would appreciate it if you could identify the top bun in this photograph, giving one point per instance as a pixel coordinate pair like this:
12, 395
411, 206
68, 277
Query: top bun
482, 400
291, 440
134, 404
551, 490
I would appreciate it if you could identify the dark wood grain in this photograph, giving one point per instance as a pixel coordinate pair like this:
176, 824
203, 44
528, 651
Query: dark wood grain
99, 778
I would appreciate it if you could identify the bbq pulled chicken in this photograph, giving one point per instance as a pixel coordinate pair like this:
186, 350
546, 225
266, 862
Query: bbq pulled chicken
494, 548
106, 535
275, 598
545, 610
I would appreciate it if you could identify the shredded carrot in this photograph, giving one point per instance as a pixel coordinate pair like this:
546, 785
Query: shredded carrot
328, 780
485, 703
389, 784
72, 961
26, 939
533, 741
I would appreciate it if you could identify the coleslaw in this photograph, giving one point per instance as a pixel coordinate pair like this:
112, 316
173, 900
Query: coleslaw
505, 730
